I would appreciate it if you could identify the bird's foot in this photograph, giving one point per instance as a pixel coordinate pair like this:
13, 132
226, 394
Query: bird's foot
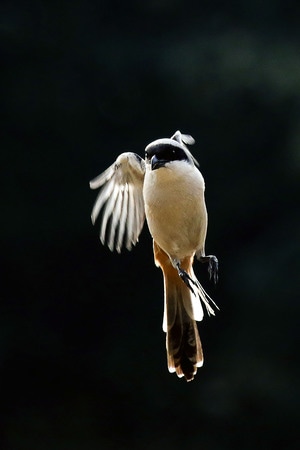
213, 266
188, 281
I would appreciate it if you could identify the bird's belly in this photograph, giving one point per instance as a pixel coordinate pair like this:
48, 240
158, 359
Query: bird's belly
176, 214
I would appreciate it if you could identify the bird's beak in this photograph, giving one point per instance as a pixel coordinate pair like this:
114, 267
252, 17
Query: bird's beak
157, 163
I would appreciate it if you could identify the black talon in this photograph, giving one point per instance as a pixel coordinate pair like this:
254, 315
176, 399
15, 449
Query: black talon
213, 266
186, 278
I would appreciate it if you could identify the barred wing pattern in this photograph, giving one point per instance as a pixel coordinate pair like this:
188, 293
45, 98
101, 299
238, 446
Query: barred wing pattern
120, 201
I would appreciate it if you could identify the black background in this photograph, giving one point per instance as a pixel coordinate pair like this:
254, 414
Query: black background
82, 351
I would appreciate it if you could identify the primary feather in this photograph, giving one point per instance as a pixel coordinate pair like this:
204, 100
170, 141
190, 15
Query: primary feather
121, 201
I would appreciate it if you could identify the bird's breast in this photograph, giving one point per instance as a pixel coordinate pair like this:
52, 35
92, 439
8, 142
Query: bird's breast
175, 208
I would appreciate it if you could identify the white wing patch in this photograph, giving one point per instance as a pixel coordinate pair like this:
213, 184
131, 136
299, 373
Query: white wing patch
121, 201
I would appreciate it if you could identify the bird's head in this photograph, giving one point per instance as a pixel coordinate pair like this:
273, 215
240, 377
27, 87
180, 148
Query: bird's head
164, 151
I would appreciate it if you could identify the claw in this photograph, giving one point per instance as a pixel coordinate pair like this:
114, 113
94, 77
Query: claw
213, 266
186, 278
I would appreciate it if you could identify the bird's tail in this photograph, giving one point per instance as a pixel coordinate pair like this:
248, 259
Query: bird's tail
182, 309
184, 350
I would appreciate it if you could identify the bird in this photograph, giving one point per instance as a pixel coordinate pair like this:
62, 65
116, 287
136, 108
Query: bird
165, 189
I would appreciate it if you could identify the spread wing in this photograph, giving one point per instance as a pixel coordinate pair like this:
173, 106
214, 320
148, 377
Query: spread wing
120, 201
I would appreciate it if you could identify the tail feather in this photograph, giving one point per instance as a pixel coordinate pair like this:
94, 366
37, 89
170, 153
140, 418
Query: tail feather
182, 309
184, 351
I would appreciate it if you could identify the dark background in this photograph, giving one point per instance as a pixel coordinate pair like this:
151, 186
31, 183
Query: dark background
82, 351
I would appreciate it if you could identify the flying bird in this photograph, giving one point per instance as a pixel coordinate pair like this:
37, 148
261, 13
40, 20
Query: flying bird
167, 189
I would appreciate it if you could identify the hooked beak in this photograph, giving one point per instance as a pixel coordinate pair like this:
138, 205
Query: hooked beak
157, 163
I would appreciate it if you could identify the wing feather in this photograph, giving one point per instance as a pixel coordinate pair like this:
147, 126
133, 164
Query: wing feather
120, 201
137, 217
115, 220
107, 212
130, 217
102, 197
122, 223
